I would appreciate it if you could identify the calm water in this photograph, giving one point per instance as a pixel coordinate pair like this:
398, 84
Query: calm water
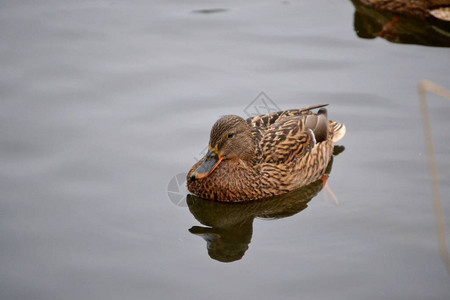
104, 102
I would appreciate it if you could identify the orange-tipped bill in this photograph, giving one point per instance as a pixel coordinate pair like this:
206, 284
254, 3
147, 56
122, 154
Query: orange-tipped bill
210, 163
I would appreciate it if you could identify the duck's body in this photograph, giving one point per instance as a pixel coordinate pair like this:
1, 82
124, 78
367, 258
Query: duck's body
265, 155
414, 8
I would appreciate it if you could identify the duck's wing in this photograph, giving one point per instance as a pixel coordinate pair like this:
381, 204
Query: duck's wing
264, 121
291, 137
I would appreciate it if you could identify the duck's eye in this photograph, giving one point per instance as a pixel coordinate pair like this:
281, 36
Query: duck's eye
230, 135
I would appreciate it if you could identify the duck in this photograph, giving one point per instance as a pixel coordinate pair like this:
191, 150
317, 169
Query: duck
439, 9
265, 155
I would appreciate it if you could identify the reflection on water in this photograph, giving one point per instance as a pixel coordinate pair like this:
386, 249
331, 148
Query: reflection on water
230, 225
209, 11
425, 86
370, 23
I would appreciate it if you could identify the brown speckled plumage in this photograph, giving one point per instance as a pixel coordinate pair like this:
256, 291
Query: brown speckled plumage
413, 8
267, 155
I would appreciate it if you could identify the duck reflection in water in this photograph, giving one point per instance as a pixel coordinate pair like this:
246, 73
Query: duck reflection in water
420, 22
230, 225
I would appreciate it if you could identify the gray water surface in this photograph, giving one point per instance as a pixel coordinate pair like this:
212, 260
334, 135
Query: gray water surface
104, 102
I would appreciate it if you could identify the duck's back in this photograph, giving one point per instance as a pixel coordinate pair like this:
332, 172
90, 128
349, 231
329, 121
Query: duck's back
283, 137
298, 144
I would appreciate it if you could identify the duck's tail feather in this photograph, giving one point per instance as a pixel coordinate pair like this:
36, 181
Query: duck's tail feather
338, 131
318, 124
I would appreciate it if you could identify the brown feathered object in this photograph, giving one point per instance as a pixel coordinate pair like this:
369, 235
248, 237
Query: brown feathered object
265, 155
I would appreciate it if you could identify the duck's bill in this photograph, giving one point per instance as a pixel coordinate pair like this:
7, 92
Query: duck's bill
212, 160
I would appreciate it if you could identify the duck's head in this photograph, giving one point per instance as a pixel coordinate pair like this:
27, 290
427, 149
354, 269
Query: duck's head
230, 139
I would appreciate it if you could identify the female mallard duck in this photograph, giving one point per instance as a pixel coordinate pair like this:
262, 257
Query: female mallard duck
415, 8
265, 155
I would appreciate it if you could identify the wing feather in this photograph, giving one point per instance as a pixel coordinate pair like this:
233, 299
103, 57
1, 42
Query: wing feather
293, 134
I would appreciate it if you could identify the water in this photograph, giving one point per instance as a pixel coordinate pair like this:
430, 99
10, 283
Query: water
104, 102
